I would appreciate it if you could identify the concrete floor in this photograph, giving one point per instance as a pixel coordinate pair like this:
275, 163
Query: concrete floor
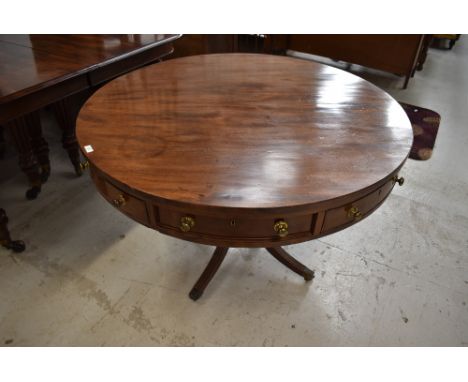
90, 276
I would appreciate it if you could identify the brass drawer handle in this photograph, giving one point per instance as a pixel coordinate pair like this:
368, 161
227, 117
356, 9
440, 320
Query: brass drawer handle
354, 213
281, 228
119, 201
399, 180
186, 223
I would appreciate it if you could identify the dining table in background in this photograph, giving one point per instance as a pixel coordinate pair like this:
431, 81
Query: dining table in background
61, 71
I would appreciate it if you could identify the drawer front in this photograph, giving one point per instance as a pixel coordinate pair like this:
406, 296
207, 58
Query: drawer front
234, 226
128, 204
348, 213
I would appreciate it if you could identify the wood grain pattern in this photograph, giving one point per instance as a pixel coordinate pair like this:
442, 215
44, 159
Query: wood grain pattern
398, 54
36, 70
226, 149
22, 68
244, 131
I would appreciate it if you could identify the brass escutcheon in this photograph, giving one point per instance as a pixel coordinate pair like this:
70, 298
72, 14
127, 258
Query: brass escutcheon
354, 213
119, 201
186, 223
281, 227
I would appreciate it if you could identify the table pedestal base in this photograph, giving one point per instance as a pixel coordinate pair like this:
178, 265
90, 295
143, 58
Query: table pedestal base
220, 253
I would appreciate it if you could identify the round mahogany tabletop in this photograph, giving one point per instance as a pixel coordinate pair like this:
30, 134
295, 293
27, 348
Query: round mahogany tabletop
244, 131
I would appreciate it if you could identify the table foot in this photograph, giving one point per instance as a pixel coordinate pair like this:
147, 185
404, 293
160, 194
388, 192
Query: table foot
286, 259
210, 270
5, 239
220, 253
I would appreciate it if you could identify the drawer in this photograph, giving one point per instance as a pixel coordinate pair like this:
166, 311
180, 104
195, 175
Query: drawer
235, 227
128, 204
350, 212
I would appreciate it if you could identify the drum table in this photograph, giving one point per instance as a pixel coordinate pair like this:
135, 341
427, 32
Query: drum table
244, 150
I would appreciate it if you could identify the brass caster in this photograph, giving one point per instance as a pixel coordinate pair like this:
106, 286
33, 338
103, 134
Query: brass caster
80, 167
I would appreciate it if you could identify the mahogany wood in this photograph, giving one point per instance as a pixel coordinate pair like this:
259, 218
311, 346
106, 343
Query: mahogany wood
286, 259
65, 64
207, 275
66, 111
339, 216
264, 132
39, 144
20, 129
237, 143
37, 70
398, 54
132, 205
195, 44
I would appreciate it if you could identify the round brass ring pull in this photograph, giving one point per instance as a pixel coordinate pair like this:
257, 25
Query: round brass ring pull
354, 213
186, 223
281, 227
399, 180
119, 201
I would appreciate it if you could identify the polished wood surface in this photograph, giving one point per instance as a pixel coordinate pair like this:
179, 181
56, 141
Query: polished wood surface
62, 71
36, 70
244, 131
398, 54
24, 70
393, 53
244, 150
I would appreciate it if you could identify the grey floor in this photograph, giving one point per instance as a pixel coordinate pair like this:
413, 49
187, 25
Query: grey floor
90, 276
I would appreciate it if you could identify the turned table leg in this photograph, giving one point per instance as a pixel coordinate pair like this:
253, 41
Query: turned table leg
20, 133
66, 111
66, 118
5, 239
39, 144
220, 253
